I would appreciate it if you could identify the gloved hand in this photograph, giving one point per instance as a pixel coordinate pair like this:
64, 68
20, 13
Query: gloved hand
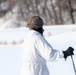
68, 52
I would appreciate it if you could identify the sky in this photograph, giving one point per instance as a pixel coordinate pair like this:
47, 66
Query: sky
60, 37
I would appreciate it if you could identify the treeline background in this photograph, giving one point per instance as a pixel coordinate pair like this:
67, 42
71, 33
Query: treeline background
53, 12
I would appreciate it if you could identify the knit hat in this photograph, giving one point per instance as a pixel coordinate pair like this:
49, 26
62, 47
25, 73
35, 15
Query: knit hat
35, 22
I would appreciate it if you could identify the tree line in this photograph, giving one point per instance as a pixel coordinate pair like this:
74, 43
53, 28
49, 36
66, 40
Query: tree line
53, 12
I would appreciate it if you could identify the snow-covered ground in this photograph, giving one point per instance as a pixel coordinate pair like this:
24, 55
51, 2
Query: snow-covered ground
62, 42
60, 37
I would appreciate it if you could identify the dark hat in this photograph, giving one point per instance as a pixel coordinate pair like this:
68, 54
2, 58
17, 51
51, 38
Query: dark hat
35, 22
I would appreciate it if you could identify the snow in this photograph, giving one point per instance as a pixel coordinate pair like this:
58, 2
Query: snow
60, 37
10, 60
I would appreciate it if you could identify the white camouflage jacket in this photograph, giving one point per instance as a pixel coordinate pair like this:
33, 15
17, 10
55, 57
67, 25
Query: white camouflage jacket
36, 51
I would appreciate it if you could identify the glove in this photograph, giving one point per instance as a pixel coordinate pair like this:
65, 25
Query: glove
68, 52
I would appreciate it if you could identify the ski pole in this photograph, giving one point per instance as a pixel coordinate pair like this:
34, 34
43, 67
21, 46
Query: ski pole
73, 64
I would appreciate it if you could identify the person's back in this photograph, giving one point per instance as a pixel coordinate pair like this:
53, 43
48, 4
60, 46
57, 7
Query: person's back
31, 55
30, 50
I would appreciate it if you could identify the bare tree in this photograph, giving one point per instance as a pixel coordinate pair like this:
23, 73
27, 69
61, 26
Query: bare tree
54, 11
61, 21
71, 11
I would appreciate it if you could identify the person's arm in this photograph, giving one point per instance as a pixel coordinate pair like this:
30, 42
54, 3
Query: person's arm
49, 53
46, 50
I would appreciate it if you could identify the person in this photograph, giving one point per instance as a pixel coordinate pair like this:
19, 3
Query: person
36, 50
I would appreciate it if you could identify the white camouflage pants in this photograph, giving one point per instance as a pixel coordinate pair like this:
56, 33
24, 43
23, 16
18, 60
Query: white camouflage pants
34, 69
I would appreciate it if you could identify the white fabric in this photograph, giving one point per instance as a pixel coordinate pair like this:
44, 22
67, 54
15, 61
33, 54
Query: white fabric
36, 50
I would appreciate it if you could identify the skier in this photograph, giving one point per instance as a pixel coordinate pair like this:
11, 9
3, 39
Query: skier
36, 50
